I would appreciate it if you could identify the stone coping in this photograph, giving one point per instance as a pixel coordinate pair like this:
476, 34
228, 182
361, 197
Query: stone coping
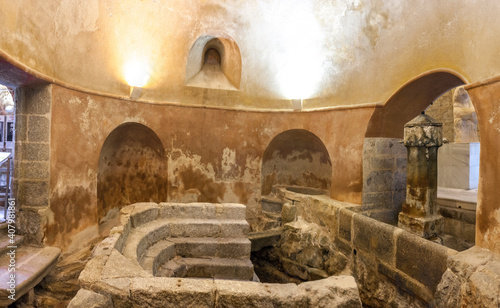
111, 274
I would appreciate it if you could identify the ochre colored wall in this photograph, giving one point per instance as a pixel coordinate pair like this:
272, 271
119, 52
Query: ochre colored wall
132, 168
336, 53
297, 158
486, 100
214, 155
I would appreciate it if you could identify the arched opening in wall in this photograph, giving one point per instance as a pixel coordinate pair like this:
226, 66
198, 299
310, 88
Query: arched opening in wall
442, 96
214, 63
296, 158
132, 168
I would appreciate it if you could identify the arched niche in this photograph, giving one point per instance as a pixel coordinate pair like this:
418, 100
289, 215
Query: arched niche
296, 158
132, 168
411, 99
224, 75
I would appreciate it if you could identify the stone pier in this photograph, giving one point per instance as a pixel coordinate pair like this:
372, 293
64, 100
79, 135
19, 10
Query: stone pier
422, 137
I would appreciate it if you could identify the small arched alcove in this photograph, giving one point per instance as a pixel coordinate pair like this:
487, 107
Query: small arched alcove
296, 158
132, 168
214, 63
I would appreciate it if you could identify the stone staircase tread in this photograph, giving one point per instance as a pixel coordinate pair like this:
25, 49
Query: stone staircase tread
32, 265
217, 261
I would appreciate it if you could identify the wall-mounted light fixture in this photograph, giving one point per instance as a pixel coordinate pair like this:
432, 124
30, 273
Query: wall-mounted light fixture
297, 104
135, 92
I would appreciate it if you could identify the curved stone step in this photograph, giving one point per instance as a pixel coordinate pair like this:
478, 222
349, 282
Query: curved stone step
145, 236
226, 248
166, 250
31, 264
157, 255
218, 268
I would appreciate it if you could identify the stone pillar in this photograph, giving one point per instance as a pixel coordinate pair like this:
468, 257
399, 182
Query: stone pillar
32, 160
422, 137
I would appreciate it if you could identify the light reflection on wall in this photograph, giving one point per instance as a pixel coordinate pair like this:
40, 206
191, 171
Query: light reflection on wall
137, 71
299, 61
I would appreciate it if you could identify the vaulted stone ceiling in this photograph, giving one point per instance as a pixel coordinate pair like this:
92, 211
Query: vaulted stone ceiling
328, 52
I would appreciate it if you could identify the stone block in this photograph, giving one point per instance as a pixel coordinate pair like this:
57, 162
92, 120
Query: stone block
374, 237
35, 151
295, 269
239, 248
382, 163
254, 294
406, 283
259, 240
288, 213
195, 228
390, 146
335, 291
34, 100
234, 228
21, 128
399, 181
187, 211
38, 129
230, 211
402, 163
378, 181
269, 206
33, 170
117, 266
421, 259
369, 147
172, 292
195, 248
378, 199
33, 193
345, 222
85, 298
143, 213
157, 232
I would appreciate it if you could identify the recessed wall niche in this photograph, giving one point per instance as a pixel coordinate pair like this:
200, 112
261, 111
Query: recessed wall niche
214, 63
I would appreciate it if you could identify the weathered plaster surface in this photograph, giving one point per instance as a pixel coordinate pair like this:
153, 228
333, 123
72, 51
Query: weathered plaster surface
213, 155
327, 50
297, 158
485, 98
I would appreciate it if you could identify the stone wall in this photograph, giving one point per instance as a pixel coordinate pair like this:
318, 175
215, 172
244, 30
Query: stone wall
392, 267
471, 280
32, 159
384, 177
442, 111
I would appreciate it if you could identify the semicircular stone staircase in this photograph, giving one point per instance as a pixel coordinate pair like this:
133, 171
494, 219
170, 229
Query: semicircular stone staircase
190, 240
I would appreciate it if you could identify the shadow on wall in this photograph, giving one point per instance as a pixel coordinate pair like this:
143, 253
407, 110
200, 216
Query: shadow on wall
296, 157
132, 168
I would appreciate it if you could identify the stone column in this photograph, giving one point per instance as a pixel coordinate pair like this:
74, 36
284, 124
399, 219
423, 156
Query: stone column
422, 137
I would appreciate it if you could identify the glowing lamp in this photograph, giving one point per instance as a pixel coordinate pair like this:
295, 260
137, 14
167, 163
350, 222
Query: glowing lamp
136, 75
297, 104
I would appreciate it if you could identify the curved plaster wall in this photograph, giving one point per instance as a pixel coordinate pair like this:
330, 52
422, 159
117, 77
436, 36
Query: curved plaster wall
132, 168
296, 157
327, 52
